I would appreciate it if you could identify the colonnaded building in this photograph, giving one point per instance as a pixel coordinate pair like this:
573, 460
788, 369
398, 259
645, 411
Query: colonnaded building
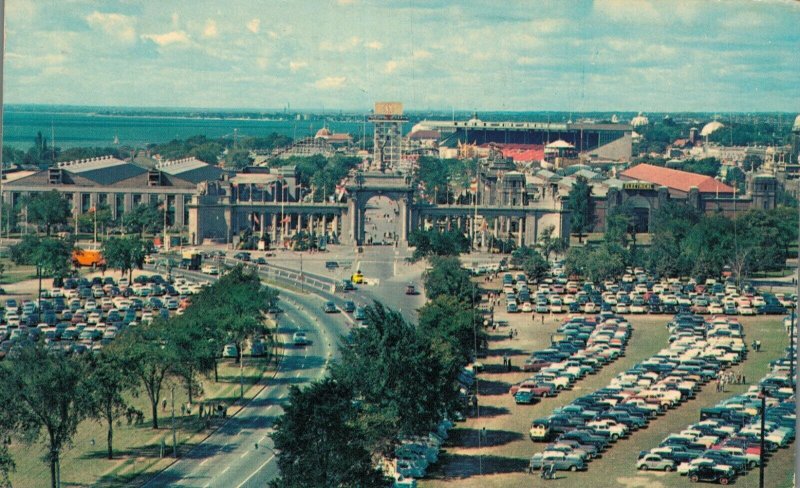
207, 203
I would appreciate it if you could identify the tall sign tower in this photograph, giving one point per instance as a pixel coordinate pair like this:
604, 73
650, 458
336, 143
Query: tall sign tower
388, 119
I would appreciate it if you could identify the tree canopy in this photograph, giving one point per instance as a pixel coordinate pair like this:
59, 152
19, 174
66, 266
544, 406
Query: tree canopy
531, 262
52, 255
48, 209
432, 242
579, 203
321, 441
126, 253
447, 277
44, 395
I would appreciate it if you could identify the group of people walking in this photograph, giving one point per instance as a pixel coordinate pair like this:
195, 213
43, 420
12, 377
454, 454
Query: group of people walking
730, 378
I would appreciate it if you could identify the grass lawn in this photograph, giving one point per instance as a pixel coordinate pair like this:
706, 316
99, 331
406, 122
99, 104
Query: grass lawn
136, 447
504, 458
15, 273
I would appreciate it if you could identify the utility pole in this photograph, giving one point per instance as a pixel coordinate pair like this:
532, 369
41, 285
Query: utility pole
241, 370
2, 58
761, 459
174, 434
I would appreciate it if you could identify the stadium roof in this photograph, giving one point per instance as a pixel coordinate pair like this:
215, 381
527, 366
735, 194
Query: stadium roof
676, 179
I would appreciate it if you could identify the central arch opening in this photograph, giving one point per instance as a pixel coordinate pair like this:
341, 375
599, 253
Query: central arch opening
382, 225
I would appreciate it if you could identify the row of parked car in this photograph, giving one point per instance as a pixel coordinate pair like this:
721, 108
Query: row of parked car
725, 442
581, 346
413, 455
82, 314
639, 293
590, 424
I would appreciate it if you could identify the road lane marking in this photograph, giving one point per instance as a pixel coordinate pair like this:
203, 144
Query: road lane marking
256, 471
224, 470
205, 461
245, 454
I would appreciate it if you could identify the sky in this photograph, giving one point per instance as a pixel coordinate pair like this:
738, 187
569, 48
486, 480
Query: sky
605, 55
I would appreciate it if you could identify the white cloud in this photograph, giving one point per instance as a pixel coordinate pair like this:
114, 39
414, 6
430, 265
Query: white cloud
330, 82
262, 63
295, 66
422, 54
376, 45
210, 29
116, 25
390, 67
345, 2
341, 46
167, 38
253, 25
175, 19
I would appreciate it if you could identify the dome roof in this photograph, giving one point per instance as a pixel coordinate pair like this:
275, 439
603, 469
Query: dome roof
420, 126
640, 120
324, 132
711, 127
796, 126
560, 144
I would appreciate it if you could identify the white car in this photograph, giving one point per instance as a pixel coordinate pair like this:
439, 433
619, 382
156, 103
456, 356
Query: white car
527, 307
746, 310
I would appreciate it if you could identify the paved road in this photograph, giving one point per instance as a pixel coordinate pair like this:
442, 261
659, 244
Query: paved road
229, 458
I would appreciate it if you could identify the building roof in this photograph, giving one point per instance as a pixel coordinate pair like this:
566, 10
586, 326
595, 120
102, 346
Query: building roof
105, 170
425, 134
190, 169
560, 144
676, 179
588, 174
711, 127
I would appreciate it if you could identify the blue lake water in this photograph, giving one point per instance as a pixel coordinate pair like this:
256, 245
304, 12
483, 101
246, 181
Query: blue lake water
89, 130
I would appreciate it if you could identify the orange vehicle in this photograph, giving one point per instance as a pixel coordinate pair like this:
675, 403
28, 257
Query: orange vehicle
88, 257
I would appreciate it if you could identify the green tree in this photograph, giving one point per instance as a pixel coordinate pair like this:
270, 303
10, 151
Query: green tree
705, 166
101, 215
48, 209
529, 260
110, 381
46, 395
196, 344
447, 277
620, 225
579, 203
126, 253
432, 242
50, 255
150, 358
320, 441
550, 244
391, 367
144, 218
238, 159
454, 322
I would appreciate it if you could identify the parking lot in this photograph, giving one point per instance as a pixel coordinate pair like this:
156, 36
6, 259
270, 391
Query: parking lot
505, 448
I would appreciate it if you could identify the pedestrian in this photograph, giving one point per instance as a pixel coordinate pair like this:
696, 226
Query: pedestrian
542, 319
509, 364
510, 334
505, 360
164, 405
483, 434
533, 317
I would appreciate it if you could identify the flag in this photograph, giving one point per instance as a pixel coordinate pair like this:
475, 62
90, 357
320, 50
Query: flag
473, 186
92, 209
286, 220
